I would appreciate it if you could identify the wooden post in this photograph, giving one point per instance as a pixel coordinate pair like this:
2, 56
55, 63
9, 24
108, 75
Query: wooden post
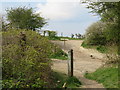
69, 60
70, 63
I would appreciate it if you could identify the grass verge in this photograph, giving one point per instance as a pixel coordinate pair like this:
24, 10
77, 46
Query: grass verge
99, 48
60, 79
108, 76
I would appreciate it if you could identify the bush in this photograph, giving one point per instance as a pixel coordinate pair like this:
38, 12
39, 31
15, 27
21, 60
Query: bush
25, 59
95, 34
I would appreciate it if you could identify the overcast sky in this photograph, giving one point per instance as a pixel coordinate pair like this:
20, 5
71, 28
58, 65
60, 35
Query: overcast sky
64, 16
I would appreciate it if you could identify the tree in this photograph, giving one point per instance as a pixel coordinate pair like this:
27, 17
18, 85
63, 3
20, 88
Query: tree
25, 18
109, 13
52, 33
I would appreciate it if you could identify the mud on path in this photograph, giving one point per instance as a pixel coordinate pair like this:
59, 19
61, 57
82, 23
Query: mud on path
82, 62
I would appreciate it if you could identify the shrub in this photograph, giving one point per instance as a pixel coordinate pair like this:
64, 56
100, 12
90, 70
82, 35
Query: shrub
25, 59
95, 34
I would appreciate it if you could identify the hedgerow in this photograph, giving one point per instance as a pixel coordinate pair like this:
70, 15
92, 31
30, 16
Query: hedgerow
25, 59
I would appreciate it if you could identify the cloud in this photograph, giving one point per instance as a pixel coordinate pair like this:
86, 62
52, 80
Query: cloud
22, 0
59, 10
66, 17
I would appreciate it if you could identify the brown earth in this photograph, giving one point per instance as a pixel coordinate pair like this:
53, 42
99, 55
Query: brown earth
83, 62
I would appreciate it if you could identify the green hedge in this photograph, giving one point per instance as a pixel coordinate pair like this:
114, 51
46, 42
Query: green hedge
25, 59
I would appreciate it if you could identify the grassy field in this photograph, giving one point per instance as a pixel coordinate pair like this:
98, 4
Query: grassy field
60, 79
108, 76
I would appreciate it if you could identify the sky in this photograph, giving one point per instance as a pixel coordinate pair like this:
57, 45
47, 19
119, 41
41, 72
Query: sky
63, 16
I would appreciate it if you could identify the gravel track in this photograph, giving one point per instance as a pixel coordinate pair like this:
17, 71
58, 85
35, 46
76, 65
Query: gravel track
82, 62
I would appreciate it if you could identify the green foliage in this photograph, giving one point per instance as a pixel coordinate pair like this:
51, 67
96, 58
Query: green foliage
110, 51
110, 14
99, 48
85, 45
108, 11
24, 18
60, 79
58, 53
52, 34
102, 49
95, 34
72, 82
108, 76
71, 38
59, 38
54, 38
25, 59
112, 33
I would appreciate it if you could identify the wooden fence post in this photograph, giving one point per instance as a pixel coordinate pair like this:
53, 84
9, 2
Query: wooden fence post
69, 60
70, 63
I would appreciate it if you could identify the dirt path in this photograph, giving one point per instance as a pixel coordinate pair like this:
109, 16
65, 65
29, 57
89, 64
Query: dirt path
82, 62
